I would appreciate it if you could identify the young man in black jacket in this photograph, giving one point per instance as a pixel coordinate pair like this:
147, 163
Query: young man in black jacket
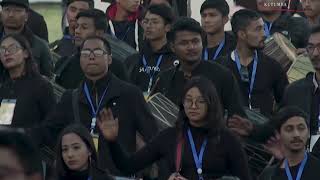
214, 16
68, 71
14, 16
156, 55
292, 126
100, 89
262, 80
186, 39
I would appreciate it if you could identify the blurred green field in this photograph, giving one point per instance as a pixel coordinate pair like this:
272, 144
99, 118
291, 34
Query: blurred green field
52, 13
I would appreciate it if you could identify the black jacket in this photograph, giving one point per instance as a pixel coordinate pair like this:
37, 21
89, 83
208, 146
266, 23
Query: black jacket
137, 71
64, 46
40, 51
127, 104
171, 83
34, 99
69, 73
311, 171
230, 44
224, 156
95, 174
269, 84
302, 94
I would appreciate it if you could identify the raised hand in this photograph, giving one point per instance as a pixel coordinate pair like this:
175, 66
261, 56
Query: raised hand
240, 125
275, 147
108, 126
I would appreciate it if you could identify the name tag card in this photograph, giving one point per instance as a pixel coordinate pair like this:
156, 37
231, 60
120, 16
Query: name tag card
6, 111
95, 138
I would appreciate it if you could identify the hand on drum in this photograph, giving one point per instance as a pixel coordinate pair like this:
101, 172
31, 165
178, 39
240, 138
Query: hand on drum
240, 125
108, 125
177, 176
274, 146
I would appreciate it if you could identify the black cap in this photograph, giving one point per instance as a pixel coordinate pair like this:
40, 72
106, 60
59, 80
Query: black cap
23, 3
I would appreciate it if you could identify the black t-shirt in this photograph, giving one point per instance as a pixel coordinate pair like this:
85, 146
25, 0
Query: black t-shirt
310, 172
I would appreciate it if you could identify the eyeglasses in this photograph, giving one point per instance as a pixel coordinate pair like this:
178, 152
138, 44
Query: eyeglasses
13, 49
95, 52
188, 102
311, 48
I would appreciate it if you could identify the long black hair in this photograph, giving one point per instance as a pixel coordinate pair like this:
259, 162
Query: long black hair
84, 134
214, 115
31, 68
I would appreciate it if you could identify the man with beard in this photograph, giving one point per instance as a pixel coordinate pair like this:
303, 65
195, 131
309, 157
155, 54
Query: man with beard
214, 16
262, 80
186, 43
311, 10
293, 132
65, 46
305, 93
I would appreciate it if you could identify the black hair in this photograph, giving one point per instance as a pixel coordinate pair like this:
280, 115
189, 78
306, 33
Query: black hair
31, 69
90, 2
214, 113
185, 24
23, 147
162, 10
98, 16
85, 136
220, 5
285, 113
104, 40
242, 18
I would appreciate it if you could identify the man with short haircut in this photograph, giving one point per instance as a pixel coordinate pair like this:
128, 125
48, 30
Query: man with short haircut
100, 89
68, 70
311, 10
65, 46
262, 80
156, 55
214, 16
14, 16
292, 127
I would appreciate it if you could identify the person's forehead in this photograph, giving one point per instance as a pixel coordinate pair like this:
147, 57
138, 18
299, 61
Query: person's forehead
13, 6
150, 15
9, 41
185, 34
93, 43
80, 4
85, 20
211, 10
293, 121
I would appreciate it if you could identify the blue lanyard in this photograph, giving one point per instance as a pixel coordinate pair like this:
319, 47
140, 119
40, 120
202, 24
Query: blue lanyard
68, 37
267, 29
221, 45
253, 74
197, 159
145, 64
93, 110
301, 167
89, 178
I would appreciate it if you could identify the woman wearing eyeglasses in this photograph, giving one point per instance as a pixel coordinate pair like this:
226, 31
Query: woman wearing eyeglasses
199, 147
26, 98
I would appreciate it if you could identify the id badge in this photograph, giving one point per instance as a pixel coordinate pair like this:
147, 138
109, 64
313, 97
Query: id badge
95, 138
6, 111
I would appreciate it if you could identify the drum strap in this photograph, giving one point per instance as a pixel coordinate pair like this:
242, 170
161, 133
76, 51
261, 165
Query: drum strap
75, 105
179, 151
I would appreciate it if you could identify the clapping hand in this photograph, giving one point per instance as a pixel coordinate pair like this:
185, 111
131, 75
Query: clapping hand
108, 126
240, 125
